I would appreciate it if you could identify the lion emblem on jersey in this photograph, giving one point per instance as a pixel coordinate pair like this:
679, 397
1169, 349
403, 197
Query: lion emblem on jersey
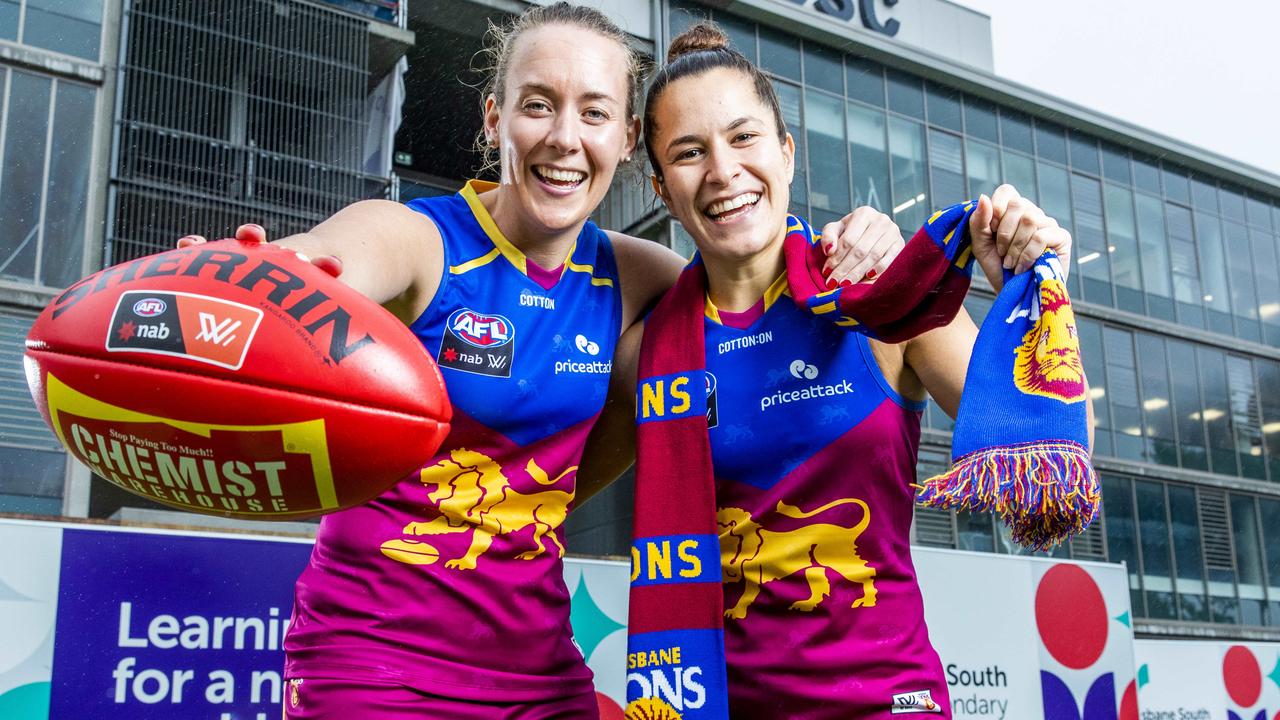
474, 495
650, 709
1048, 361
756, 556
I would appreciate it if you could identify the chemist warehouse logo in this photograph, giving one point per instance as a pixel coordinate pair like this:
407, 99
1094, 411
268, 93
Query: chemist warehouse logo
477, 343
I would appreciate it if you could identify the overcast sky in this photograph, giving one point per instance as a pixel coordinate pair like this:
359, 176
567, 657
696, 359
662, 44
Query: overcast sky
1204, 72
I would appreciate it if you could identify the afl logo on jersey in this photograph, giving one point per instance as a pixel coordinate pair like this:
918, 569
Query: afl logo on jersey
478, 343
483, 331
149, 307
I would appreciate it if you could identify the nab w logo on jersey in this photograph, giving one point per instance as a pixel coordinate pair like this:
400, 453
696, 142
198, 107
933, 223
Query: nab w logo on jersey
198, 327
477, 343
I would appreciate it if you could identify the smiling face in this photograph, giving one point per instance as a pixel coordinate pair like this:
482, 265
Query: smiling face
725, 175
561, 127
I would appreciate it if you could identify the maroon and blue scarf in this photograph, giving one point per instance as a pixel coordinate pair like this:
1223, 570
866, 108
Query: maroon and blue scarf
1019, 446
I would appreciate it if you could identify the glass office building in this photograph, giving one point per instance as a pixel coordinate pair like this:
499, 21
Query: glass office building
1175, 274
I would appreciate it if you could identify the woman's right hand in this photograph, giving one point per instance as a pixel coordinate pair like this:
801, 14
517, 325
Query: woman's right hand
254, 233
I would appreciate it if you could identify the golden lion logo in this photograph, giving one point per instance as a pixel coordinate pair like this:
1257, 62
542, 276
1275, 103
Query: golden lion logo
1048, 361
755, 556
474, 495
651, 708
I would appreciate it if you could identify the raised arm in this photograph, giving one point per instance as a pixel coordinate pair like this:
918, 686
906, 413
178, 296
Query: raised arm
387, 252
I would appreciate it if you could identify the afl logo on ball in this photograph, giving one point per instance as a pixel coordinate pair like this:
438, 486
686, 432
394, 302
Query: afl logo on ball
149, 307
478, 343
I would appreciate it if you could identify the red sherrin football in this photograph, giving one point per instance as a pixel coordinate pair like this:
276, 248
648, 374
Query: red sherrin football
235, 379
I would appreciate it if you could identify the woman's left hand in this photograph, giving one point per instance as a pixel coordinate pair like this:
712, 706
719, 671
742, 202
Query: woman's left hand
859, 246
1009, 232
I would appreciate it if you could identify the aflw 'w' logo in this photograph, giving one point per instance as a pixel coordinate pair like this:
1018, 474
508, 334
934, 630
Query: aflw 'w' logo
215, 331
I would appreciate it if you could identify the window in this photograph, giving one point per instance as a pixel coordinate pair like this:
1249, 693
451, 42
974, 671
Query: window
1122, 392
1248, 546
1157, 569
1084, 153
828, 166
44, 180
906, 95
1176, 186
1186, 403
1244, 298
1267, 271
980, 119
779, 53
946, 167
1051, 143
865, 80
1093, 357
1122, 245
1122, 534
822, 68
1015, 131
868, 148
1093, 257
72, 27
1269, 512
1154, 251
1115, 165
1213, 272
1157, 405
1244, 418
983, 163
1184, 265
1269, 380
789, 99
1185, 531
944, 107
32, 463
910, 186
1020, 172
1217, 421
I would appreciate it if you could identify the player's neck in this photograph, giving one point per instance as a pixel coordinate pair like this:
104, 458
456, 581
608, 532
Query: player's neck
737, 284
547, 248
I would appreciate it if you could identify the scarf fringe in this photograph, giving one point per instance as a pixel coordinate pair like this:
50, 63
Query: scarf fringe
1045, 492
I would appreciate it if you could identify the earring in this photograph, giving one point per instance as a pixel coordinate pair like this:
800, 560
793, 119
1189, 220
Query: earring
626, 159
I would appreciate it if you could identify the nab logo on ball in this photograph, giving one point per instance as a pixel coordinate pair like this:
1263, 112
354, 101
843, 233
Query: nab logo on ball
477, 343
201, 328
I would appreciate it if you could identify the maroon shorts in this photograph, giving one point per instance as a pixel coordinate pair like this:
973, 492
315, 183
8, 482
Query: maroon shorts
332, 699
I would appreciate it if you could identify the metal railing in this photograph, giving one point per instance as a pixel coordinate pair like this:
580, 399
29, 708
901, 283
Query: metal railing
236, 111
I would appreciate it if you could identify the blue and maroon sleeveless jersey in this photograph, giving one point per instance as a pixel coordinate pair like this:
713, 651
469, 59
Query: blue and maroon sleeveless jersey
814, 456
451, 581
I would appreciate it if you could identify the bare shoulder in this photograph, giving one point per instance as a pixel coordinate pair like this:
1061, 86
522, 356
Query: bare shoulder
646, 270
892, 361
391, 253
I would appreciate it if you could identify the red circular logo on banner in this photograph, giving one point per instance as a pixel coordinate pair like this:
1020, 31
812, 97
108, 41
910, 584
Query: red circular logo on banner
1242, 676
1129, 702
1071, 616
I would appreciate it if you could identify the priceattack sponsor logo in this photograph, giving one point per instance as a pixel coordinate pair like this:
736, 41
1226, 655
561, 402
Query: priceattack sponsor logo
801, 370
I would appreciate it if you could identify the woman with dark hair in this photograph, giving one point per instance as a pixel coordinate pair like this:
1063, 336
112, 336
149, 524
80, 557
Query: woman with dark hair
810, 440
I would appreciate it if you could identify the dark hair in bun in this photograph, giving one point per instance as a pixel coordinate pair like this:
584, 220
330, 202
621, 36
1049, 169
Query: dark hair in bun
703, 36
702, 48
